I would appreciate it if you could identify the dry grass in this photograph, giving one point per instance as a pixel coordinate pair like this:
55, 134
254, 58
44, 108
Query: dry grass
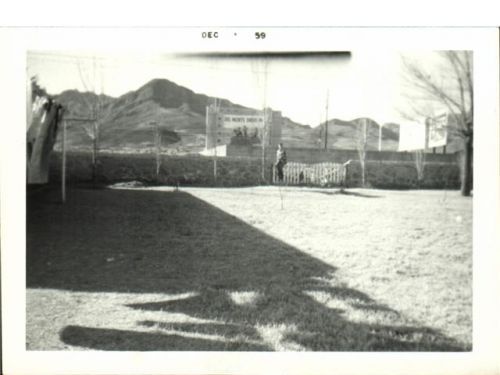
409, 249
228, 269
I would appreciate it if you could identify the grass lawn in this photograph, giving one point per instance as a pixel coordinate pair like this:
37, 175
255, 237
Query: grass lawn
228, 269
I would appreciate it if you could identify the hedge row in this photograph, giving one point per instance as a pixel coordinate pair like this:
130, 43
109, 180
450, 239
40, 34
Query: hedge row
199, 171
182, 170
390, 175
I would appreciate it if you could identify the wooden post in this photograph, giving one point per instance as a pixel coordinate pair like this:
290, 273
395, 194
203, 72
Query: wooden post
215, 164
380, 138
157, 142
263, 144
63, 173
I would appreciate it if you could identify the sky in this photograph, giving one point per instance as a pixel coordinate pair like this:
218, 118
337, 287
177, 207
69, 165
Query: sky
366, 84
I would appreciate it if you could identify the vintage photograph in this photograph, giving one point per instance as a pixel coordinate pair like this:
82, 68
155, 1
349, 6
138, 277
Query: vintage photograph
308, 200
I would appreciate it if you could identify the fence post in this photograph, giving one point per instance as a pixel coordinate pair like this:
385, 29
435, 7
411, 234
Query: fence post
346, 173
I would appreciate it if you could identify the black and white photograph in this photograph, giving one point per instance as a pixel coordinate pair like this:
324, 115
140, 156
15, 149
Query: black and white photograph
248, 197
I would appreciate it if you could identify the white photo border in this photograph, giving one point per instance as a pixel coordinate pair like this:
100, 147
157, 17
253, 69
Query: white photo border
15, 43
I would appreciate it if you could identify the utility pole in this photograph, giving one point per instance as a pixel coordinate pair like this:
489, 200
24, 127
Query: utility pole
326, 122
157, 146
264, 137
266, 133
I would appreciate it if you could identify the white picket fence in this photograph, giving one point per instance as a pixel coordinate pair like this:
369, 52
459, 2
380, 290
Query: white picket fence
312, 174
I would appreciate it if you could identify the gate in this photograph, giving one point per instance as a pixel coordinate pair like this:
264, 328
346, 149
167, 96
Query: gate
322, 174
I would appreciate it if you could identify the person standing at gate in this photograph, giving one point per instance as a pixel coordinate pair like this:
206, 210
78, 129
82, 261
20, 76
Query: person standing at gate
280, 161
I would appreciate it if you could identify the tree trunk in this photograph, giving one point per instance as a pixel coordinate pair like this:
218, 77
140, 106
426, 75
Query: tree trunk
466, 183
95, 149
363, 175
420, 165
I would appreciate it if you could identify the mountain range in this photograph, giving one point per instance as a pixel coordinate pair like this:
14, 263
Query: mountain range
127, 122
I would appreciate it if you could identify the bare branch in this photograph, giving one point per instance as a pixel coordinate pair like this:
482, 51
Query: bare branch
82, 78
453, 98
89, 130
86, 87
425, 83
417, 110
419, 78
468, 73
459, 77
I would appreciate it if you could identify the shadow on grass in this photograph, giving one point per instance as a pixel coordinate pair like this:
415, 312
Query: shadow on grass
115, 339
347, 192
246, 284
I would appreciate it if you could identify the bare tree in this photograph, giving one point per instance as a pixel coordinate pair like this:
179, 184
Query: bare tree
157, 146
266, 131
361, 145
448, 84
94, 107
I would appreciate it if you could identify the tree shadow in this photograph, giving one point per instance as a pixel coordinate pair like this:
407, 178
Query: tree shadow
245, 285
313, 325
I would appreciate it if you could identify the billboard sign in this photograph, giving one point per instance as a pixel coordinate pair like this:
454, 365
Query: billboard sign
232, 121
438, 134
